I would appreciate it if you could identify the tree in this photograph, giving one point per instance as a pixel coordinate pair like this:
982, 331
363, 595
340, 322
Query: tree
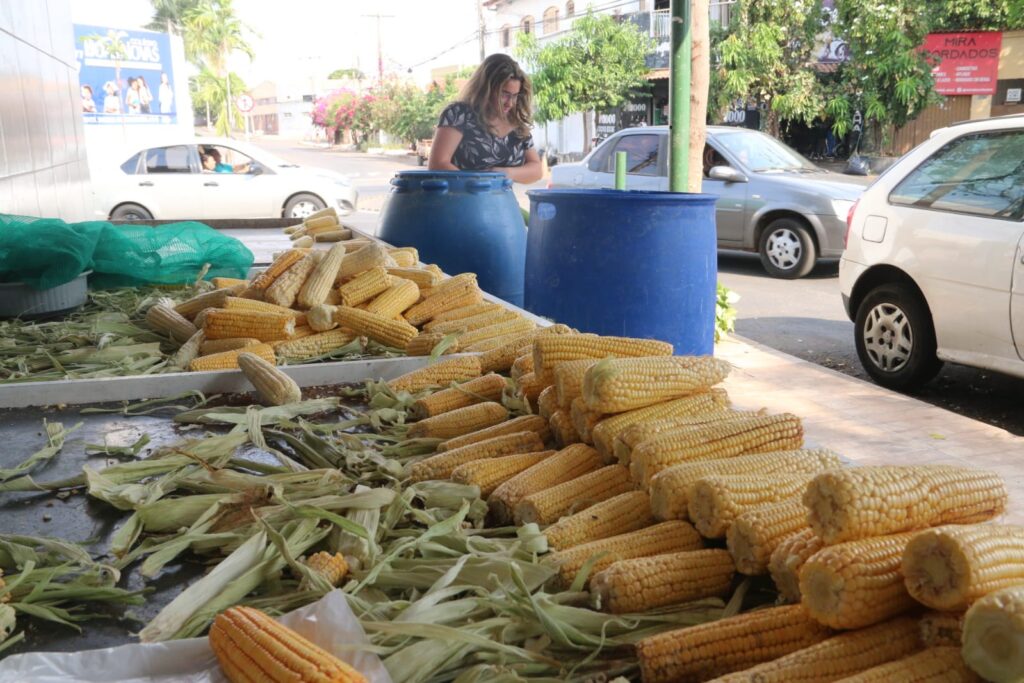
595, 67
976, 15
888, 78
209, 90
409, 113
766, 58
354, 74
169, 15
700, 71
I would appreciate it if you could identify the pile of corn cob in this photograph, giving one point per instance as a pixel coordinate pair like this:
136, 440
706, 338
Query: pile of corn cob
655, 470
322, 226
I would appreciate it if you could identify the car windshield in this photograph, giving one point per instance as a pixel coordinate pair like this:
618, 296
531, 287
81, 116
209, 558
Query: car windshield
761, 153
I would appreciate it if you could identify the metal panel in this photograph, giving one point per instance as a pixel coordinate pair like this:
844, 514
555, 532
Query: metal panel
26, 201
31, 73
61, 32
12, 107
84, 391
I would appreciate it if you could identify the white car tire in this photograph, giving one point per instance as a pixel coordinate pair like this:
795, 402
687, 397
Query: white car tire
302, 205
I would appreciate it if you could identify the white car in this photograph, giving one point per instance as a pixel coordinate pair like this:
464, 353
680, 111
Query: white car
934, 265
169, 181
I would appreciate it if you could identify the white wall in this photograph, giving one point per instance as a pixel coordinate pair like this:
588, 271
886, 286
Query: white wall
43, 167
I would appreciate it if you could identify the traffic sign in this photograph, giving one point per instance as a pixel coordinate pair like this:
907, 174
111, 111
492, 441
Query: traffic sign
245, 102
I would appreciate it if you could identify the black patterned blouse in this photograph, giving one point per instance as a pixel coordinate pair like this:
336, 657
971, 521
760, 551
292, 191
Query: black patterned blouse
479, 149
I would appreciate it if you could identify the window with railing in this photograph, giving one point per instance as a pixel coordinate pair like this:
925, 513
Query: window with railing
527, 25
550, 20
506, 38
661, 25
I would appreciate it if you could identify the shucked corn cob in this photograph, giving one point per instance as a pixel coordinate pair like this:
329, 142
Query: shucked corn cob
583, 419
235, 303
618, 385
501, 352
467, 312
668, 537
393, 333
635, 435
286, 287
187, 351
332, 567
566, 465
281, 264
523, 423
788, 559
950, 567
365, 286
755, 534
875, 500
568, 377
441, 466
548, 506
994, 635
547, 402
163, 318
250, 646
452, 293
314, 290
367, 257
459, 422
699, 653
942, 628
521, 366
486, 388
489, 473
224, 324
646, 583
473, 322
273, 385
314, 345
228, 360
394, 300
716, 501
189, 307
440, 374
424, 344
217, 345
933, 665
617, 515
563, 429
857, 583
549, 350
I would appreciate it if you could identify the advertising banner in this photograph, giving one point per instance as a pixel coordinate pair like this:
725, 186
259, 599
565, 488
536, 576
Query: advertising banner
125, 76
968, 63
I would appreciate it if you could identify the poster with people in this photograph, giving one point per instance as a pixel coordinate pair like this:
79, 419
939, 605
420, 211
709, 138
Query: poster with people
125, 76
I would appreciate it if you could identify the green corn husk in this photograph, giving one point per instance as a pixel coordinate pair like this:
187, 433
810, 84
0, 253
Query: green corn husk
55, 436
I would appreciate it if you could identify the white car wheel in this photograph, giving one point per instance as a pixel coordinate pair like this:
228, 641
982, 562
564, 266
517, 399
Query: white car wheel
302, 205
787, 250
895, 338
888, 337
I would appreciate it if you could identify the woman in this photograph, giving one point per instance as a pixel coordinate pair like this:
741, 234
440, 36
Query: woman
488, 127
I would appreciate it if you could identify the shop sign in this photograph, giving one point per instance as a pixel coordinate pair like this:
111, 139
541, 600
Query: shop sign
968, 63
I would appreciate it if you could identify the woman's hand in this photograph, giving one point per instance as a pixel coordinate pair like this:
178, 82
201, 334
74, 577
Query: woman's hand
530, 172
446, 140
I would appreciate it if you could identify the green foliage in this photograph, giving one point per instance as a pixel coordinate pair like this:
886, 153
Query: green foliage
209, 89
976, 15
765, 58
169, 15
595, 66
887, 77
725, 312
409, 113
352, 73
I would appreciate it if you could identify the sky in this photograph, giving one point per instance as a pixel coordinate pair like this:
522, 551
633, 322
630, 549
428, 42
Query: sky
302, 39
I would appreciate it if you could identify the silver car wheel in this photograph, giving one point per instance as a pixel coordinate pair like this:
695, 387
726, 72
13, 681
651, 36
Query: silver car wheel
784, 249
303, 209
888, 338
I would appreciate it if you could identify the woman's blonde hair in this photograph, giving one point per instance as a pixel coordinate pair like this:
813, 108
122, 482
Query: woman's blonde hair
482, 89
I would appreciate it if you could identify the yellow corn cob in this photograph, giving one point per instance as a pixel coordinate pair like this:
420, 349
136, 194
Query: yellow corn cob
460, 421
754, 534
224, 324
993, 635
857, 583
548, 506
273, 386
569, 380
524, 423
617, 385
320, 281
666, 537
714, 502
513, 326
950, 567
716, 440
788, 559
499, 358
547, 402
487, 388
188, 351
314, 345
304, 242
471, 311
228, 360
404, 257
473, 322
646, 583
285, 288
422, 278
699, 653
563, 429
440, 374
227, 282
548, 351
942, 628
871, 501
441, 466
617, 515
569, 463
163, 318
522, 366
332, 567
424, 344
393, 333
395, 299
841, 655
489, 473
234, 303
669, 487
583, 419
455, 292
528, 387
365, 286
190, 307
606, 431
364, 258
321, 317
434, 268
217, 345
933, 665
635, 435
301, 331
250, 646
333, 235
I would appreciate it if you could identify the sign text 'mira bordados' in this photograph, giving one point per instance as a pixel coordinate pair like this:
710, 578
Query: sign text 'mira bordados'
125, 76
968, 63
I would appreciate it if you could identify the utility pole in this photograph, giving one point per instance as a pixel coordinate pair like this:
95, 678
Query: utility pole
380, 55
483, 28
679, 96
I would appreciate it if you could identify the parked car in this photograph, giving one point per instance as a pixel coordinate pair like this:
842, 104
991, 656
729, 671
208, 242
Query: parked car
168, 181
934, 265
771, 200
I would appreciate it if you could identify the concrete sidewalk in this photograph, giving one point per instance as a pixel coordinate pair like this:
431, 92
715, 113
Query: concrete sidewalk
867, 424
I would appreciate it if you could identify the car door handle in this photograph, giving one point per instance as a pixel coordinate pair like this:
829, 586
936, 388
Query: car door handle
211, 184
146, 183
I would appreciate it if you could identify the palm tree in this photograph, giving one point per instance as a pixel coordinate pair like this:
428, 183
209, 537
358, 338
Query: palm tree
169, 15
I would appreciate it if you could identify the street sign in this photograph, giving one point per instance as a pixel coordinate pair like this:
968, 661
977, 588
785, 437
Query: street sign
245, 103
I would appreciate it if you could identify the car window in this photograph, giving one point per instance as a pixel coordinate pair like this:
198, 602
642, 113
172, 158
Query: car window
712, 158
641, 154
980, 174
599, 160
762, 153
168, 160
131, 167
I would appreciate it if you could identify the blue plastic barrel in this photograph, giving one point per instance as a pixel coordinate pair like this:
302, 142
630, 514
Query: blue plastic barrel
464, 221
634, 264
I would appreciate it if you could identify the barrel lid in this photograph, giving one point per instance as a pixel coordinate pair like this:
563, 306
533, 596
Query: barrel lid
628, 195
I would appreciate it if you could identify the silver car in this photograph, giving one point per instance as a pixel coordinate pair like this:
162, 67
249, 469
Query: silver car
771, 200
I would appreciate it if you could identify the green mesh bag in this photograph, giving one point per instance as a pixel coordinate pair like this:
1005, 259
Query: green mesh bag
47, 252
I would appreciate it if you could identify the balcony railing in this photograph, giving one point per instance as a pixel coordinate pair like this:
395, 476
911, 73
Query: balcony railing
661, 24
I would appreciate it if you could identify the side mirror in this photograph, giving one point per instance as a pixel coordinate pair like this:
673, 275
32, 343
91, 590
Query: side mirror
727, 174
255, 168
